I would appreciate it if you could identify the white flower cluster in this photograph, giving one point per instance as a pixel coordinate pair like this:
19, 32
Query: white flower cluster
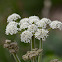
11, 28
13, 17
32, 21
41, 33
24, 20
23, 26
47, 21
41, 24
26, 36
31, 26
56, 24
33, 17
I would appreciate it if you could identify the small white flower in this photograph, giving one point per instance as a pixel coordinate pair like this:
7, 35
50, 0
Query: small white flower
11, 28
33, 21
33, 17
26, 36
23, 26
41, 33
13, 17
56, 24
32, 28
47, 21
24, 20
41, 24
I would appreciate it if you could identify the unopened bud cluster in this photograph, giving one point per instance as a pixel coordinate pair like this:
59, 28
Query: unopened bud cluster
55, 60
11, 46
32, 54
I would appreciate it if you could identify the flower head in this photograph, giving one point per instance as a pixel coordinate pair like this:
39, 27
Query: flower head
47, 21
24, 20
32, 28
33, 17
33, 21
23, 26
56, 24
41, 24
13, 17
26, 36
11, 28
41, 33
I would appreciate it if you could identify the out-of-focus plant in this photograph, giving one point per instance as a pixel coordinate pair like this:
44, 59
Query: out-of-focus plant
29, 29
51, 57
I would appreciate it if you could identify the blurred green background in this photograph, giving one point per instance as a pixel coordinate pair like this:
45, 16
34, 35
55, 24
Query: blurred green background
25, 8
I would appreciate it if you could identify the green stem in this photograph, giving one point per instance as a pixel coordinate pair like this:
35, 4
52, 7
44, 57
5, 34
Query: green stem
33, 46
33, 60
32, 43
40, 56
16, 57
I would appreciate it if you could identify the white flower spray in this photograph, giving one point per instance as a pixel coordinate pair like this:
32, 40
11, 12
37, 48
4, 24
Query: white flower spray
41, 24
56, 24
24, 26
41, 33
11, 28
13, 17
26, 36
31, 28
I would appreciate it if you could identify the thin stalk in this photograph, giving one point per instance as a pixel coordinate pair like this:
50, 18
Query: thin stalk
33, 60
40, 56
36, 59
33, 46
16, 57
32, 43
